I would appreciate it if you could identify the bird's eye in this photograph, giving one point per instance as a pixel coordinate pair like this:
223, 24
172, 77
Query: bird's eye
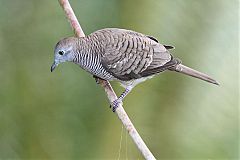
60, 52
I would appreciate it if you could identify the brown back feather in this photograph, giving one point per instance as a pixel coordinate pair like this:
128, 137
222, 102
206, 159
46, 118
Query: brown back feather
131, 55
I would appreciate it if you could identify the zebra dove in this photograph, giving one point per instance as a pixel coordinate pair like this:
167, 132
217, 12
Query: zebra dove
122, 55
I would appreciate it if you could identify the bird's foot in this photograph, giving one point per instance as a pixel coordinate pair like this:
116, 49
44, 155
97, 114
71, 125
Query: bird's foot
114, 105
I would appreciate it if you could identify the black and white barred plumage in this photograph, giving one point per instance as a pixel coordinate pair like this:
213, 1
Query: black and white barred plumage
123, 55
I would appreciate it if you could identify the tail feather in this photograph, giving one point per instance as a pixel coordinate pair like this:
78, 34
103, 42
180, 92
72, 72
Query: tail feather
191, 72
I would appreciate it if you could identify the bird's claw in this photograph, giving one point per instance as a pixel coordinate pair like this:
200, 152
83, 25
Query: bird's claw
114, 105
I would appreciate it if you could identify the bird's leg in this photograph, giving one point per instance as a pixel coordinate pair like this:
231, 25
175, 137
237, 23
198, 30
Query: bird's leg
116, 102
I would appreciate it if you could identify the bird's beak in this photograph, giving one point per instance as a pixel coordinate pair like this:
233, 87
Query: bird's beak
54, 65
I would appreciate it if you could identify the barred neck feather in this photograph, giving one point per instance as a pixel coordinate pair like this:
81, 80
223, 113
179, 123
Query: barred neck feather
87, 57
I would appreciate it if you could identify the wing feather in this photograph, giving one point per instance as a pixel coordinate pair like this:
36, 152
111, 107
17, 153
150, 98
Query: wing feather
128, 54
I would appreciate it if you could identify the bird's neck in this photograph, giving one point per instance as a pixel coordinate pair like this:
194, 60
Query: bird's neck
88, 56
89, 44
83, 45
86, 50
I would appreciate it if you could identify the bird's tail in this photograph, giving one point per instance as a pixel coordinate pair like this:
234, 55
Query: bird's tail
191, 72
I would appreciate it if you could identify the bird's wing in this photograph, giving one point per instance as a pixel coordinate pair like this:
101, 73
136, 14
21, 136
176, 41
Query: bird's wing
131, 55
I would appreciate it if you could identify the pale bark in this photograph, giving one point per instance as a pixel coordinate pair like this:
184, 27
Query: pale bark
120, 112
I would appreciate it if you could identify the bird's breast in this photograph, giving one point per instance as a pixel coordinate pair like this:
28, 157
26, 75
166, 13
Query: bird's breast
92, 64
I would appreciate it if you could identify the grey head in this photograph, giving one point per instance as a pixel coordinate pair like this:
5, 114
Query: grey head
64, 51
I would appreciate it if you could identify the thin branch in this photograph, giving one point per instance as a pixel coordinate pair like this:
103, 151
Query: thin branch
72, 18
122, 115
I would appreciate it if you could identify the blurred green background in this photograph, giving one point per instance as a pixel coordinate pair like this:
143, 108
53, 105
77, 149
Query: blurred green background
66, 115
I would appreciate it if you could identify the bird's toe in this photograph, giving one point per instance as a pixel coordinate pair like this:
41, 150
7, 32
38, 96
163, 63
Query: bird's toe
114, 105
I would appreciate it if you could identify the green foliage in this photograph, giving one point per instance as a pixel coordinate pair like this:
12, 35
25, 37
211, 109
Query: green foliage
65, 115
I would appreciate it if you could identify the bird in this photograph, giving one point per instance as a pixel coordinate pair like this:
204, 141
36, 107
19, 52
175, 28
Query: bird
121, 55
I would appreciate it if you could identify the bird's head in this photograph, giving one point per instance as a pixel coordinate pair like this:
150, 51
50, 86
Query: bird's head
64, 51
